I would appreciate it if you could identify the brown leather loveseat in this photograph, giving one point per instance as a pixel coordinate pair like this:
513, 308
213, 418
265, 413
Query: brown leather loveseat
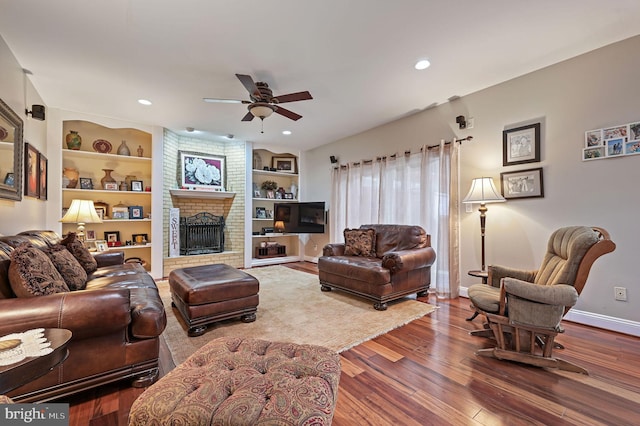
379, 262
115, 321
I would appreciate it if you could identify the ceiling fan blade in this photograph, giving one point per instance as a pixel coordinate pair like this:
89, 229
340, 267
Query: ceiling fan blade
225, 101
249, 84
248, 117
289, 114
293, 97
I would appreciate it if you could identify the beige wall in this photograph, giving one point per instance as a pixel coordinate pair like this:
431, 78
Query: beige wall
17, 91
595, 90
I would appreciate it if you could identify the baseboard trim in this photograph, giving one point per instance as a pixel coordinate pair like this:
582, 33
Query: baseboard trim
605, 322
311, 259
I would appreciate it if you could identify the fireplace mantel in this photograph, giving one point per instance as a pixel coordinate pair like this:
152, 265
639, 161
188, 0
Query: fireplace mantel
189, 193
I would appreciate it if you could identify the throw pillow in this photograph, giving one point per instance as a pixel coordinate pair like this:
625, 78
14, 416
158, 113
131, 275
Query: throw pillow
31, 273
80, 252
360, 242
73, 273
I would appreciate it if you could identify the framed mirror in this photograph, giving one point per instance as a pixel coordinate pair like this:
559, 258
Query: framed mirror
11, 153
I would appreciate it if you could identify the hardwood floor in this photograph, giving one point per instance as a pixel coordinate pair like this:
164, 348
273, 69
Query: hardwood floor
426, 373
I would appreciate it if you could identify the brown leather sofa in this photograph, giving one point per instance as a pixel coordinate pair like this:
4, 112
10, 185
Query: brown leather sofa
116, 323
400, 265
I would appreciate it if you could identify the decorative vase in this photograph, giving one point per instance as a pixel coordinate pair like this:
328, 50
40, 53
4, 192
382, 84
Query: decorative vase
140, 151
107, 177
128, 180
123, 186
74, 140
123, 149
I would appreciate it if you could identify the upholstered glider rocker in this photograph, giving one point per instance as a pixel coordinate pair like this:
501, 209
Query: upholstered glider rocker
382, 263
524, 308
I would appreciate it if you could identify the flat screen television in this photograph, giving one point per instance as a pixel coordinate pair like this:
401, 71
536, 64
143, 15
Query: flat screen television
301, 218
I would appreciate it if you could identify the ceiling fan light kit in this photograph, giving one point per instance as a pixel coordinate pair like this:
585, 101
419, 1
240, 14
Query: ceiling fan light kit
263, 103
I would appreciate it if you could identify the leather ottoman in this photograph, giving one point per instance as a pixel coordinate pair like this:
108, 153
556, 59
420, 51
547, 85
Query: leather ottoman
210, 293
236, 381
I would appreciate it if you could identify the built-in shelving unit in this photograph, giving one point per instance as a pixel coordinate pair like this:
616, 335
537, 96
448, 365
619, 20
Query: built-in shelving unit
264, 200
91, 164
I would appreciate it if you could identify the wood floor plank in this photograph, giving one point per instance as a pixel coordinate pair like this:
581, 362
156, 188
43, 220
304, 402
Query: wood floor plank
427, 372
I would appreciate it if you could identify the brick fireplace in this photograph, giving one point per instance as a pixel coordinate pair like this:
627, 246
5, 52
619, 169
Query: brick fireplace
231, 209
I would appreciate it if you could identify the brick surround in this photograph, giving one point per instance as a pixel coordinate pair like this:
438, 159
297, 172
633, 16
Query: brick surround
232, 209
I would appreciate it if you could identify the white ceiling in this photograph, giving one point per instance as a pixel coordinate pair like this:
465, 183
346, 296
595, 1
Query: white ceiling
356, 57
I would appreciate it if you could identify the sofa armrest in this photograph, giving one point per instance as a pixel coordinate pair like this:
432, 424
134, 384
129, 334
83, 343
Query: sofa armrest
496, 273
333, 249
407, 260
109, 258
86, 313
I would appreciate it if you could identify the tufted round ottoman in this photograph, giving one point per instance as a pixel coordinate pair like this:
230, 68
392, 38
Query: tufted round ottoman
236, 381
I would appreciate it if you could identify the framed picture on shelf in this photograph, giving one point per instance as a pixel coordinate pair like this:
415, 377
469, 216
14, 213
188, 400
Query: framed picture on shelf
521, 145
31, 181
86, 183
288, 195
136, 185
112, 238
102, 209
9, 179
284, 164
110, 186
91, 235
140, 239
42, 173
199, 170
101, 245
120, 212
261, 213
522, 184
135, 212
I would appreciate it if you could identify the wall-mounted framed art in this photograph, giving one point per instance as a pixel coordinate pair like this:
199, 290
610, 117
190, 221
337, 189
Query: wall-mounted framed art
522, 184
521, 145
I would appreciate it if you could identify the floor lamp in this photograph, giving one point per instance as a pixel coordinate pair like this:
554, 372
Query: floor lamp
483, 191
81, 212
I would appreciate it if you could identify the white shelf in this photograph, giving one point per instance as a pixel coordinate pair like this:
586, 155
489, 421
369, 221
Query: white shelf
188, 193
277, 200
275, 236
268, 173
105, 191
124, 247
274, 260
126, 220
71, 153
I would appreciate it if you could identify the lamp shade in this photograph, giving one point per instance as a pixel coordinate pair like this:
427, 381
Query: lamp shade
261, 110
279, 225
81, 211
483, 191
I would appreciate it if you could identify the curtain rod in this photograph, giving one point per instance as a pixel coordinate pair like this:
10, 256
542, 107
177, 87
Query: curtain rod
356, 163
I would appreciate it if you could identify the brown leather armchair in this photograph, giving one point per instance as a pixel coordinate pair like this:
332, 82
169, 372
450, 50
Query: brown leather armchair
399, 266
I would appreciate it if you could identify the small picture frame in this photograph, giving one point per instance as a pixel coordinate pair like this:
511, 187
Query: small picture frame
86, 183
615, 147
101, 208
101, 245
278, 195
269, 213
615, 132
256, 193
632, 148
112, 238
140, 239
284, 164
261, 213
593, 138
522, 184
521, 145
288, 195
90, 235
119, 212
31, 177
9, 179
136, 185
592, 153
110, 186
135, 212
43, 165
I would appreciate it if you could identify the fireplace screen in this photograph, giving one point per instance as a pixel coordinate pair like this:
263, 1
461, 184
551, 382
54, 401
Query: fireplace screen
202, 233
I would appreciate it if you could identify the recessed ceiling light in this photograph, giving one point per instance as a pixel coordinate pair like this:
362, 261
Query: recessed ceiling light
422, 64
144, 102
190, 129
286, 132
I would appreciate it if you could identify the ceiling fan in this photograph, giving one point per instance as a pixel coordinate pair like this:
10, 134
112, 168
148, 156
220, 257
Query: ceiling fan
263, 103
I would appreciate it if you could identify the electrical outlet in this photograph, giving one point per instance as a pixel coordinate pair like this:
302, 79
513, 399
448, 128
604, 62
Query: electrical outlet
468, 207
620, 293
470, 123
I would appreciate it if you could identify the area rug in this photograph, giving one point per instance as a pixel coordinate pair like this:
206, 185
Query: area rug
293, 309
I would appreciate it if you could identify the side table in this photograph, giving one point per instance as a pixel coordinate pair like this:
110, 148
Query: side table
22, 372
480, 274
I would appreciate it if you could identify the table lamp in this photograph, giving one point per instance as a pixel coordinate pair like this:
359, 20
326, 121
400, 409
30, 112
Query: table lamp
279, 226
483, 191
81, 212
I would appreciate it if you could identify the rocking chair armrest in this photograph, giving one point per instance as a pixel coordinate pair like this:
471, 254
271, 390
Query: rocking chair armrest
558, 294
498, 272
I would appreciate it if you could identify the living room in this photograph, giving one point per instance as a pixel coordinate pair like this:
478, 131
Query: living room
594, 90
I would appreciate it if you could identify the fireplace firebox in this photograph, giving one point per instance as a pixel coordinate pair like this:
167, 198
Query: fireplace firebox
201, 234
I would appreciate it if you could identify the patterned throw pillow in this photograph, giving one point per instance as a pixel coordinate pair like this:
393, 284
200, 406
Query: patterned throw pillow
360, 242
73, 273
31, 273
80, 252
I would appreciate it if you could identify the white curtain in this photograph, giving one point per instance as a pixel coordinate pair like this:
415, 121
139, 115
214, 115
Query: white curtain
409, 188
